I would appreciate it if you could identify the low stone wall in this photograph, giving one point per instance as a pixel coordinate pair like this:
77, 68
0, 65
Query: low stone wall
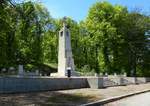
108, 82
19, 85
102, 82
95, 82
16, 85
129, 80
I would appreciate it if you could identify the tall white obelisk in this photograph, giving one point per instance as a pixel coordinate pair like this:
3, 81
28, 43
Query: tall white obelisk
65, 59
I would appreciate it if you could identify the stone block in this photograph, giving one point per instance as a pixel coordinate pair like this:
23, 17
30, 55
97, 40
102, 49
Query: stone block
17, 85
95, 82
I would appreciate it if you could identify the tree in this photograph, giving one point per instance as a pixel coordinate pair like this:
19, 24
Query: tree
118, 38
7, 34
137, 25
102, 22
32, 24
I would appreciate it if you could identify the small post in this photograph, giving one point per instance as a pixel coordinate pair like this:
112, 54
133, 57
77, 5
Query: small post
106, 74
101, 74
20, 69
37, 72
115, 74
125, 74
96, 75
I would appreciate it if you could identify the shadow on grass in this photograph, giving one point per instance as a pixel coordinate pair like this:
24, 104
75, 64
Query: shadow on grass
50, 98
61, 99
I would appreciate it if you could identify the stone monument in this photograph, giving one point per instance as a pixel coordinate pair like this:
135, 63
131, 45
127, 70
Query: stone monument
65, 59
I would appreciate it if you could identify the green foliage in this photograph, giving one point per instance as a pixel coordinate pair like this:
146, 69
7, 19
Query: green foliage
119, 37
110, 39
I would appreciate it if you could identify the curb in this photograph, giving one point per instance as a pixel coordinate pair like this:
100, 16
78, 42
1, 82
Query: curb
112, 99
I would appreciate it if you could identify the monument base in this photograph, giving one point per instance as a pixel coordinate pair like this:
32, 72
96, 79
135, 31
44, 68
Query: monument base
73, 73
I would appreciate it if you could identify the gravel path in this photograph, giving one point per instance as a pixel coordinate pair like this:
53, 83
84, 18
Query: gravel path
68, 97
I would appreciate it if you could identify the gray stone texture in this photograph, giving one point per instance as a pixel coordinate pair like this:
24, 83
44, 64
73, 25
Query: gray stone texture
16, 85
21, 84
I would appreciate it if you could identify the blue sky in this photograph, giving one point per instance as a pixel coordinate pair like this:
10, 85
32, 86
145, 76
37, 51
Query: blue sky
78, 9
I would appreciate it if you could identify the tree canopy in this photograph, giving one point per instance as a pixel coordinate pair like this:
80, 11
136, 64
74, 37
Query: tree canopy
111, 39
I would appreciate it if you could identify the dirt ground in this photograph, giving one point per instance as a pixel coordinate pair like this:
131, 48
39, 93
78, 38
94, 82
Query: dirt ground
68, 97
